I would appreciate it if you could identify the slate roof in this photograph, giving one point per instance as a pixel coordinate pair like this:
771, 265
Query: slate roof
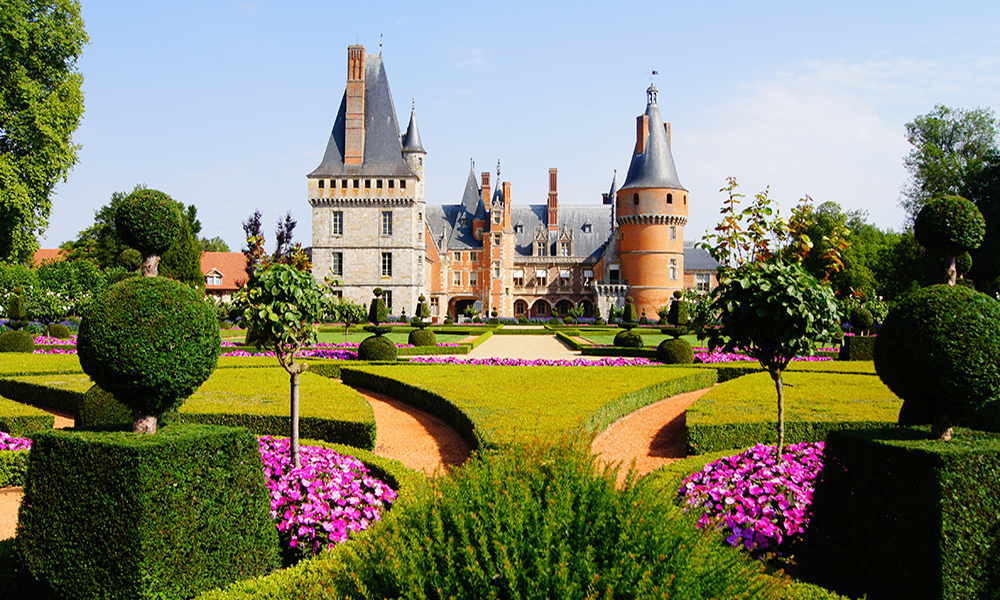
698, 259
411, 141
383, 146
654, 167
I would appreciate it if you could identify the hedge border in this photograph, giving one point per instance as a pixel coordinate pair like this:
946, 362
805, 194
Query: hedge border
703, 439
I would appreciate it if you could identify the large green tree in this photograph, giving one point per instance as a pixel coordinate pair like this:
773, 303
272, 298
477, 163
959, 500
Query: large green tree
41, 103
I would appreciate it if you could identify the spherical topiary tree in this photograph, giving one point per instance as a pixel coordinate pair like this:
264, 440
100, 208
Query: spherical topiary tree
939, 350
862, 320
151, 342
149, 221
628, 339
951, 225
377, 347
675, 351
17, 341
422, 336
58, 331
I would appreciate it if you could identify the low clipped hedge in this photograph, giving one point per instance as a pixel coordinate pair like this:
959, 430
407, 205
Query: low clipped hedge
13, 466
115, 515
40, 392
899, 515
742, 412
857, 347
17, 341
20, 420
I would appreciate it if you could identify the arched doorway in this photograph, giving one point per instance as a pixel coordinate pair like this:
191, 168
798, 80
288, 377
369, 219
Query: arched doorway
520, 308
588, 308
540, 309
564, 306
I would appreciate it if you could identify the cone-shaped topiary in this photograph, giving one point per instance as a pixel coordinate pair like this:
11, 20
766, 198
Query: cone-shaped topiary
149, 221
675, 352
17, 341
939, 350
952, 225
422, 337
628, 339
377, 348
377, 310
423, 312
151, 342
630, 318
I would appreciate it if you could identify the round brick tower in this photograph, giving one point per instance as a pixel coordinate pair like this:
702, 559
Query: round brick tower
651, 211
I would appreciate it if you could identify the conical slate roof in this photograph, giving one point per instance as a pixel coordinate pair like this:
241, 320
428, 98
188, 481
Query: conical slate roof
472, 200
411, 141
653, 167
383, 148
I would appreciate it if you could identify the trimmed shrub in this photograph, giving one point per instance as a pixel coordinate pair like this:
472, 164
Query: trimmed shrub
58, 330
950, 223
377, 348
17, 341
116, 515
422, 337
628, 339
857, 347
939, 350
675, 352
862, 320
149, 221
100, 409
150, 342
899, 515
13, 466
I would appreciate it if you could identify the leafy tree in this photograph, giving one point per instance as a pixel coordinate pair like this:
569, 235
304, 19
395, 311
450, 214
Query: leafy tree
41, 103
280, 306
100, 242
952, 149
216, 244
183, 261
283, 234
150, 222
252, 231
773, 311
347, 312
952, 226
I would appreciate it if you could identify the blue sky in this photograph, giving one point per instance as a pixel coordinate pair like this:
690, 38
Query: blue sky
228, 105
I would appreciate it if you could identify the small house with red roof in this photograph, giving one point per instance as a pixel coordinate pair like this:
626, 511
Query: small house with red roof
225, 272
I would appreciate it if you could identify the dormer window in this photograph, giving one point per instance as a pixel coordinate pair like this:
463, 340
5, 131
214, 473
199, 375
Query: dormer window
588, 228
463, 221
519, 228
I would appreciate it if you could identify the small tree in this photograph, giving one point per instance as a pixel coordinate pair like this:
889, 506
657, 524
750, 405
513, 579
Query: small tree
149, 221
421, 336
773, 312
377, 347
347, 312
281, 306
951, 225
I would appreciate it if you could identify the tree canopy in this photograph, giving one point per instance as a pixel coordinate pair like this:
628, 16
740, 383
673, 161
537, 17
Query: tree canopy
41, 103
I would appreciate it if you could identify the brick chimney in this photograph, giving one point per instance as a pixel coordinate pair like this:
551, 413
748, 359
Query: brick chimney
553, 201
666, 126
354, 135
486, 189
641, 133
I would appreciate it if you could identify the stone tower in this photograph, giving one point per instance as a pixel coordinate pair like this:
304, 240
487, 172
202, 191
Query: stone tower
651, 210
367, 194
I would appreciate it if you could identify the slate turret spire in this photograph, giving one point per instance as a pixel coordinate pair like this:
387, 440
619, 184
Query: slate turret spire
411, 141
652, 161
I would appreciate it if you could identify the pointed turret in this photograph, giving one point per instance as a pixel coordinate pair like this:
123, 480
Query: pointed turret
471, 200
652, 161
411, 141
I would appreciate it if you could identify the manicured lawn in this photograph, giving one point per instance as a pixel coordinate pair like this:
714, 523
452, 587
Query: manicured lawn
509, 403
15, 363
357, 335
652, 337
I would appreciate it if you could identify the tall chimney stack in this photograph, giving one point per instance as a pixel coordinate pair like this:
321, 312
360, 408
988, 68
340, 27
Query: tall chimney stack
553, 201
354, 135
641, 133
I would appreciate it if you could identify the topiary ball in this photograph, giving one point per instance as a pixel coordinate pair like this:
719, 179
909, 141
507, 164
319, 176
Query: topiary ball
58, 331
675, 352
149, 341
862, 319
950, 223
100, 409
939, 350
422, 337
17, 341
377, 348
149, 221
628, 339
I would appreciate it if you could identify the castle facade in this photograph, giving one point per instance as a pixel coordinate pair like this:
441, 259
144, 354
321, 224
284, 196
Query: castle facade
372, 226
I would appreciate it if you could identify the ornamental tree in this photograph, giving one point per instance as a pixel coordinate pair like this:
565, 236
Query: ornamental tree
951, 225
149, 221
280, 306
773, 311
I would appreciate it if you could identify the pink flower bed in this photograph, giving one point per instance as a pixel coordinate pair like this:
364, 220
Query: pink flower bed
759, 501
12, 443
702, 355
541, 362
321, 503
44, 340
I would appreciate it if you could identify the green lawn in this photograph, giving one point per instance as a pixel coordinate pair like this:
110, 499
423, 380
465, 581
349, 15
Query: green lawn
649, 338
15, 363
509, 403
357, 335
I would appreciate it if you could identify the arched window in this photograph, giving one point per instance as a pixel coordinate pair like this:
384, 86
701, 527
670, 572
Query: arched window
670, 198
520, 307
635, 199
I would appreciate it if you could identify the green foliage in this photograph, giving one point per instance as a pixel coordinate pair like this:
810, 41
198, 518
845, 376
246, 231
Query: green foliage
13, 467
216, 244
423, 311
862, 319
675, 352
58, 331
629, 316
951, 224
17, 341
378, 312
149, 221
628, 339
183, 260
99, 408
744, 236
939, 350
899, 515
115, 515
41, 103
739, 412
857, 347
678, 313
150, 341
422, 337
21, 420
377, 348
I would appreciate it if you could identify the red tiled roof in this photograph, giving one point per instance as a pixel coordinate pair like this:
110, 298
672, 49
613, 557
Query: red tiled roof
46, 255
232, 267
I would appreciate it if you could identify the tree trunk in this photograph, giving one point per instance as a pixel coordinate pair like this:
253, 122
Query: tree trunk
144, 424
294, 424
779, 386
941, 427
151, 266
950, 269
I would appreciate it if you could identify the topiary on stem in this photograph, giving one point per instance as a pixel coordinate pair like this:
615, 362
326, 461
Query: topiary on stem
939, 350
149, 221
630, 319
151, 342
862, 320
951, 225
377, 347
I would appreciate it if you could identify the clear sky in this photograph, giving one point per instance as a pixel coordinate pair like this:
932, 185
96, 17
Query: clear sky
227, 105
